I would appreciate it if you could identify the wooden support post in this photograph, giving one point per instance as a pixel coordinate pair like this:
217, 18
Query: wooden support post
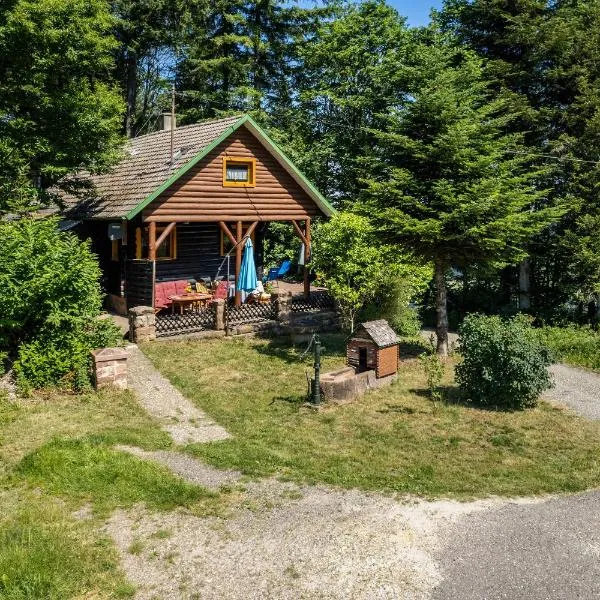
152, 240
228, 233
299, 232
238, 262
307, 258
251, 229
163, 236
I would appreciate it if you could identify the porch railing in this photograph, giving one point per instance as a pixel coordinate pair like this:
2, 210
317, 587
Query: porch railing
315, 302
250, 313
189, 322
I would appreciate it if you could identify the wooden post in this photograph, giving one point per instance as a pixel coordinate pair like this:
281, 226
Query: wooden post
238, 262
307, 258
152, 240
163, 236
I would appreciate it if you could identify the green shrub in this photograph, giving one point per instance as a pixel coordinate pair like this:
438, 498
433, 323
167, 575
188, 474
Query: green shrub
367, 278
50, 298
504, 363
393, 303
434, 371
575, 345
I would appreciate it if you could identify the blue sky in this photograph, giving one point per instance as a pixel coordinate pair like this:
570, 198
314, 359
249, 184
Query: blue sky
416, 11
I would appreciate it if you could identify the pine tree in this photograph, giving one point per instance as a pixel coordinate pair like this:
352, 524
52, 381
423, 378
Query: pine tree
452, 185
148, 34
342, 93
241, 56
545, 57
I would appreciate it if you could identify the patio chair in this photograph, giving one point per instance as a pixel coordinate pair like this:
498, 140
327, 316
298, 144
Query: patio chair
276, 273
221, 291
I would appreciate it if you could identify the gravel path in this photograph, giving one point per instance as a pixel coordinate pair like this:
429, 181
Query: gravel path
186, 423
548, 551
185, 466
577, 389
290, 542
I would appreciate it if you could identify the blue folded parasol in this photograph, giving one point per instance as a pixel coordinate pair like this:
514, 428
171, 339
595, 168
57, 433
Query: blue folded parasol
247, 280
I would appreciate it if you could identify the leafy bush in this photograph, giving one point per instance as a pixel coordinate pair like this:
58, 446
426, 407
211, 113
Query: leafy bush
434, 371
576, 345
393, 301
50, 299
504, 363
367, 278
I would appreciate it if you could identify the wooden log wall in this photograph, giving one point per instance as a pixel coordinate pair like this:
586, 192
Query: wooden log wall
138, 283
199, 195
198, 254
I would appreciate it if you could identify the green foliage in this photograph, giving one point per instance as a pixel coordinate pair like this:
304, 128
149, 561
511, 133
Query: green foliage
504, 364
353, 266
281, 243
57, 274
578, 346
450, 184
345, 90
543, 57
59, 110
242, 56
44, 553
394, 301
434, 371
107, 478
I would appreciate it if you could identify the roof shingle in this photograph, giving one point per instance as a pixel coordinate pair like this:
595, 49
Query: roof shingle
380, 332
145, 167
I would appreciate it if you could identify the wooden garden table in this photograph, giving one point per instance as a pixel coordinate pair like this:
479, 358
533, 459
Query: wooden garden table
188, 300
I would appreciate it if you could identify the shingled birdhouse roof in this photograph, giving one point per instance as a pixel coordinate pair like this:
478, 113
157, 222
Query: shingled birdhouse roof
379, 332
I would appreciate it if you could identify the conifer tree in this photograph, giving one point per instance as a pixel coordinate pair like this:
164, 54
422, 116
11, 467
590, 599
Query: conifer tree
544, 56
452, 185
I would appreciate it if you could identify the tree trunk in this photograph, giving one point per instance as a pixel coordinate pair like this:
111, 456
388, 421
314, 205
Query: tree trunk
524, 284
441, 305
131, 92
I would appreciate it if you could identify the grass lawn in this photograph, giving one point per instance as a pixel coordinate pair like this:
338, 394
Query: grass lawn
56, 457
394, 439
579, 346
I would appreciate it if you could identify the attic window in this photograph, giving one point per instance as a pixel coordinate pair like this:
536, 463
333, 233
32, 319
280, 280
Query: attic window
239, 172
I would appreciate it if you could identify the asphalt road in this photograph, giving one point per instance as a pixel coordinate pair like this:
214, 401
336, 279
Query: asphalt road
542, 551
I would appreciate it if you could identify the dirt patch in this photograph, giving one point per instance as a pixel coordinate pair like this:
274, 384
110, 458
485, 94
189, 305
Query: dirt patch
286, 541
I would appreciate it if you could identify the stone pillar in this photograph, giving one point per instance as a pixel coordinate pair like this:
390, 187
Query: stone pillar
283, 305
219, 308
110, 367
142, 324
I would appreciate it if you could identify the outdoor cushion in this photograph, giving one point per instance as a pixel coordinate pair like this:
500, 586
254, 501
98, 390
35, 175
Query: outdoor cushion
181, 286
221, 290
170, 289
161, 299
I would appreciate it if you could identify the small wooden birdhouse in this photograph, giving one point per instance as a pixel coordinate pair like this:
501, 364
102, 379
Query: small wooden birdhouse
374, 346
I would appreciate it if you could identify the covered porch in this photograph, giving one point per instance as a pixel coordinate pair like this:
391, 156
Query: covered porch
209, 255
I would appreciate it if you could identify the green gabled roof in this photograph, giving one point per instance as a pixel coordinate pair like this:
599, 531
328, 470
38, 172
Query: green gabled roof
285, 162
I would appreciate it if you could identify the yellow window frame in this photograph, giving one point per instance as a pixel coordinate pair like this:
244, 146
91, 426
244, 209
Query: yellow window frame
238, 160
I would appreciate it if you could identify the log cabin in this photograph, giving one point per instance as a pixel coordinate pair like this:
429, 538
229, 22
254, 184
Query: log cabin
183, 198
